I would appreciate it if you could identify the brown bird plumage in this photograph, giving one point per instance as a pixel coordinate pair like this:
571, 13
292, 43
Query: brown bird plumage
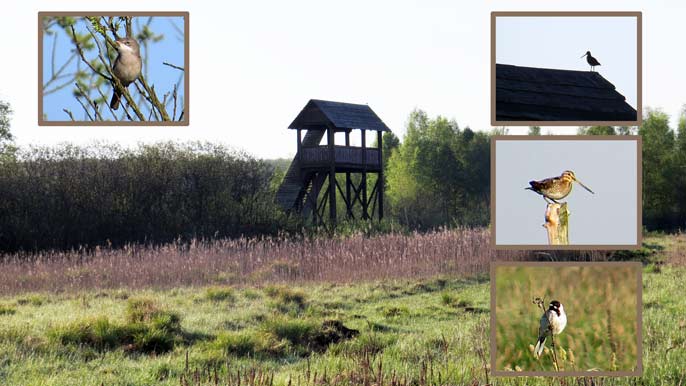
127, 66
556, 188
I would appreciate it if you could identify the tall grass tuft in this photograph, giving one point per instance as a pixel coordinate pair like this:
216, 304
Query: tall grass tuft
219, 294
7, 310
148, 329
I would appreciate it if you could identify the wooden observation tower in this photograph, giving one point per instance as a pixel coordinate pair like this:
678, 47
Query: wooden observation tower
311, 187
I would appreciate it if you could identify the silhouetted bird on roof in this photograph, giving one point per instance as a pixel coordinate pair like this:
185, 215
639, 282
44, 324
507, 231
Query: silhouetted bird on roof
591, 60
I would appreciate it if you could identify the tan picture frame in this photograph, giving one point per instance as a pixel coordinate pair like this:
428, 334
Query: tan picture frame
579, 247
186, 82
639, 68
609, 265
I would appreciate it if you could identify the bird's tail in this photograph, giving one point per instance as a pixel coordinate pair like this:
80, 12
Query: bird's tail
116, 96
535, 185
538, 350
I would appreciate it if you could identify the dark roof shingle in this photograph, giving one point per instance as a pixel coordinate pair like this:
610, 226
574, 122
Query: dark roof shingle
542, 94
319, 113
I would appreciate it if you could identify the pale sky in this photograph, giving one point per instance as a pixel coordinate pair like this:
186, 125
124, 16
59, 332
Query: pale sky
559, 42
254, 65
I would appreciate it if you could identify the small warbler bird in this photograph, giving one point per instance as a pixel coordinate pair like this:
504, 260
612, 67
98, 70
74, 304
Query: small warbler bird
554, 320
127, 66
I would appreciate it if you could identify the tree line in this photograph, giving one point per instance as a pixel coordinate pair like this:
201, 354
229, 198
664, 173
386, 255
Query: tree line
439, 175
66, 196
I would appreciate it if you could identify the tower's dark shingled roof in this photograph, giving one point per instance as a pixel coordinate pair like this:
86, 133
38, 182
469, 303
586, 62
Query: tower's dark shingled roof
542, 94
319, 113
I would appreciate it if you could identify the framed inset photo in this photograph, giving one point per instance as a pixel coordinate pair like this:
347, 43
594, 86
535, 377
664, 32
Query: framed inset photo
566, 192
566, 68
113, 68
566, 319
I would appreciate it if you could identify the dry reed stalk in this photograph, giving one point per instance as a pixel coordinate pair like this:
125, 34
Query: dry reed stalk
452, 252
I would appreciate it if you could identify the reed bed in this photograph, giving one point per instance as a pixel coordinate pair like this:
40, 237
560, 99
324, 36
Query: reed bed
238, 261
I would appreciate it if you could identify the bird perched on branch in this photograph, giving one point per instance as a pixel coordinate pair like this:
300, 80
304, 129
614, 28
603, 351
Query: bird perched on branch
127, 66
556, 188
591, 60
553, 321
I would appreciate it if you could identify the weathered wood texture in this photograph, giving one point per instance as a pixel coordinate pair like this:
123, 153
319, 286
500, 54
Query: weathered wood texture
352, 156
557, 223
291, 189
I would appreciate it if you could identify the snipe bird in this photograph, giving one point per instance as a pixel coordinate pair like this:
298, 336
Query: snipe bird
556, 188
591, 60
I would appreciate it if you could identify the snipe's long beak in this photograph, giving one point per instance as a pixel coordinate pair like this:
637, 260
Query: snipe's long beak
584, 186
583, 55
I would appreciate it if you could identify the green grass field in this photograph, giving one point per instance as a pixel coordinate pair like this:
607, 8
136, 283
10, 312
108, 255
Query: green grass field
601, 306
392, 332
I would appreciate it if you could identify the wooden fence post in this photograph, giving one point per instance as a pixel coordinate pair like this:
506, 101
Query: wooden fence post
557, 223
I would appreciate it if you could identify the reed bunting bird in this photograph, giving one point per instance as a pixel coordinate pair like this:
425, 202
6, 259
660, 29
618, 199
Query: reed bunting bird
554, 320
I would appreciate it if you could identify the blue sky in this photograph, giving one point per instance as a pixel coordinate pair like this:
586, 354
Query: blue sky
169, 49
254, 65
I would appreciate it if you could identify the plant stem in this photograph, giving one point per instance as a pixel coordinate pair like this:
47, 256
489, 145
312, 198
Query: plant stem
552, 341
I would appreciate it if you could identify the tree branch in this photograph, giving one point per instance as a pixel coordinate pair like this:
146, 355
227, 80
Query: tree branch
90, 101
83, 57
71, 116
153, 99
104, 97
85, 109
174, 66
